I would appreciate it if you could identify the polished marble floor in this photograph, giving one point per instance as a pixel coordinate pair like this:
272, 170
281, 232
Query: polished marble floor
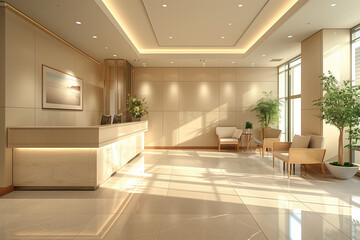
181, 194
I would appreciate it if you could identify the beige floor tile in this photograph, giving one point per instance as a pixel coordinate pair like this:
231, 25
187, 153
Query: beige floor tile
212, 227
302, 225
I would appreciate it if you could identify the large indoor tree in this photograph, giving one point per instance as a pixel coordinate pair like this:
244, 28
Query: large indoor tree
339, 106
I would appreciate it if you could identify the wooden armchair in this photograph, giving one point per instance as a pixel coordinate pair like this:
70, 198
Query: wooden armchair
229, 135
272, 135
313, 154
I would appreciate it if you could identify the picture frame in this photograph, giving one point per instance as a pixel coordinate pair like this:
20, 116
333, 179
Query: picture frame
61, 90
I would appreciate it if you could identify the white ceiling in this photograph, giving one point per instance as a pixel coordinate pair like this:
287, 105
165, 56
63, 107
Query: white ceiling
193, 24
201, 23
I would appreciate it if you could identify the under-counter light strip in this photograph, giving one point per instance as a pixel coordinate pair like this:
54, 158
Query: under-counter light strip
18, 12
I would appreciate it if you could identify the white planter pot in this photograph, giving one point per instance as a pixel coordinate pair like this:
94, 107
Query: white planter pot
342, 172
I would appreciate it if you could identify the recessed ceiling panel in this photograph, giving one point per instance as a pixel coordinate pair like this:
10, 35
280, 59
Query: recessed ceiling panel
201, 23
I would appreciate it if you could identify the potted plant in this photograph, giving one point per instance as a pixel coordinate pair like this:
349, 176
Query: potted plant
267, 111
248, 126
340, 107
136, 107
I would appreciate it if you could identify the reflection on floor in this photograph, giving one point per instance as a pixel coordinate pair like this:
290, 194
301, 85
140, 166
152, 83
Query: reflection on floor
173, 194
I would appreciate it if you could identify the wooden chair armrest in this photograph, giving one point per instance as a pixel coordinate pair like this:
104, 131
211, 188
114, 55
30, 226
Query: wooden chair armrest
218, 138
306, 155
281, 146
268, 142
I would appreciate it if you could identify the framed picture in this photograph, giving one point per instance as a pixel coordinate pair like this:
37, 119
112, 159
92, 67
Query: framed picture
61, 90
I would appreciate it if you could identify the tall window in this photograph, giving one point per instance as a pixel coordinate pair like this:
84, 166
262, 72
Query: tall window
355, 71
290, 96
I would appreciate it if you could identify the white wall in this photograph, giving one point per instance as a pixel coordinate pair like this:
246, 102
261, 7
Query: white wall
186, 104
27, 48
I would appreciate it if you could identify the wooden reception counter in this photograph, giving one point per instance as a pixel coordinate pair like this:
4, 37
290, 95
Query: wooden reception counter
72, 157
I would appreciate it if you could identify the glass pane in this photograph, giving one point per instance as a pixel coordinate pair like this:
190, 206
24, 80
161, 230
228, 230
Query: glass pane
356, 156
283, 120
355, 34
356, 63
282, 84
295, 117
295, 62
295, 80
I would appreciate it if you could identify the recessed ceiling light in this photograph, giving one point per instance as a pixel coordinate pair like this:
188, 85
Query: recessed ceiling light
232, 62
222, 37
171, 37
290, 36
171, 62
164, 5
263, 55
106, 47
229, 24
240, 5
114, 55
333, 5
94, 36
78, 22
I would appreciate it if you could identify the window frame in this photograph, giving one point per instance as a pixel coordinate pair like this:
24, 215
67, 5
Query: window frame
288, 97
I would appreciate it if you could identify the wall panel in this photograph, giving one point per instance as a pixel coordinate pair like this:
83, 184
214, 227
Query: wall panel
197, 100
24, 49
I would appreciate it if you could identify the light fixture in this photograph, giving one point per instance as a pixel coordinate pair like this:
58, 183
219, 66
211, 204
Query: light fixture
232, 62
229, 24
252, 64
240, 5
290, 36
164, 5
203, 64
78, 22
263, 55
333, 5
114, 55
106, 47
171, 37
94, 36
144, 64
171, 62
222, 37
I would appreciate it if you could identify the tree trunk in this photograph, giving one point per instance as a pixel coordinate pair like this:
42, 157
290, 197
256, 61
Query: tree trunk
341, 148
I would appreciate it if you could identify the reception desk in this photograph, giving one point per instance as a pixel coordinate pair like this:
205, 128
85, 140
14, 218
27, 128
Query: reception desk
72, 157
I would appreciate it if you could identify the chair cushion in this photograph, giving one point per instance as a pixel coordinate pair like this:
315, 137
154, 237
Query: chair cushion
316, 141
237, 133
300, 141
283, 155
229, 140
225, 132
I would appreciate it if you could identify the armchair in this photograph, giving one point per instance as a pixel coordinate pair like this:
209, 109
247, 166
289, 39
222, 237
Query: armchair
272, 135
300, 152
229, 135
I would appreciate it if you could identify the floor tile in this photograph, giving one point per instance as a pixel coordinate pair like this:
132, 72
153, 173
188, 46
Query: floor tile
301, 225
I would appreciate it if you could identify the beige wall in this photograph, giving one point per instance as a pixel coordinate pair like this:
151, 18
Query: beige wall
26, 49
186, 104
326, 50
2, 96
